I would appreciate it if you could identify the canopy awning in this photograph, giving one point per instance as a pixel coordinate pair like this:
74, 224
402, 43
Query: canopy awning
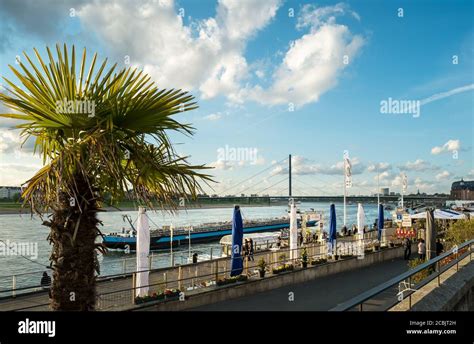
441, 215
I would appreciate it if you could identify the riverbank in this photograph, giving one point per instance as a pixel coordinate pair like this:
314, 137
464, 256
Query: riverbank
17, 209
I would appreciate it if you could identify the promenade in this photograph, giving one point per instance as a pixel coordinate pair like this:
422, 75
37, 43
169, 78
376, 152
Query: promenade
117, 292
320, 294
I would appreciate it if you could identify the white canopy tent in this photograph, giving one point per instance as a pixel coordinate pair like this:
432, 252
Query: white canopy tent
441, 215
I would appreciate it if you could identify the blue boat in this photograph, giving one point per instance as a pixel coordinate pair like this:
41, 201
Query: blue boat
161, 238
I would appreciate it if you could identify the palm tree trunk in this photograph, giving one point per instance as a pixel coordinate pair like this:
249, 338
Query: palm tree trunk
73, 233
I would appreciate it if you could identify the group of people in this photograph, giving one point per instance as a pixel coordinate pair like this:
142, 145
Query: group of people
421, 248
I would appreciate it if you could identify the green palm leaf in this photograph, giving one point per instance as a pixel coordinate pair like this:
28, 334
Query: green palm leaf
122, 149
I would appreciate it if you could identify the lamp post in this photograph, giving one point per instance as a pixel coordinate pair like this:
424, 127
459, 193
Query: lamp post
190, 228
171, 246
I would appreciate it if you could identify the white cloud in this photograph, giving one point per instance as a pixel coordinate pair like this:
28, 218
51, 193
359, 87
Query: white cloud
419, 165
397, 181
443, 175
313, 63
424, 186
208, 55
205, 55
16, 174
222, 165
312, 16
303, 166
451, 145
381, 167
383, 176
213, 117
12, 143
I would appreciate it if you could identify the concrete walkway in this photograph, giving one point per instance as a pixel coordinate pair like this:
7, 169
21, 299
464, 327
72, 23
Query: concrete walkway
320, 294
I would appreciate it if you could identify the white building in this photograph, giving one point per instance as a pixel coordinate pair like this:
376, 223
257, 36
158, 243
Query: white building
9, 192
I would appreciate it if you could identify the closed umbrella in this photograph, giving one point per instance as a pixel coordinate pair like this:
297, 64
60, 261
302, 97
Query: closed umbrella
380, 222
293, 232
143, 250
360, 227
332, 226
237, 238
360, 220
430, 235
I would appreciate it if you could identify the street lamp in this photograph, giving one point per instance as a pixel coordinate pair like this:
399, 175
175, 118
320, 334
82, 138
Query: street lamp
190, 228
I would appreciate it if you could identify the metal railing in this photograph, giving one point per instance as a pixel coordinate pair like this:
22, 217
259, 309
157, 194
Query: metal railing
191, 280
411, 281
22, 283
195, 281
119, 292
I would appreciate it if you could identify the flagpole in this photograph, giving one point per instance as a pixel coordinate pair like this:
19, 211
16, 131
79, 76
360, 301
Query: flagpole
378, 186
171, 246
345, 190
404, 182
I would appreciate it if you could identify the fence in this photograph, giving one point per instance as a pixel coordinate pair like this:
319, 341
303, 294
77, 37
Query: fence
17, 284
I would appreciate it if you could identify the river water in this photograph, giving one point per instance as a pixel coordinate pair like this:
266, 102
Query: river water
28, 231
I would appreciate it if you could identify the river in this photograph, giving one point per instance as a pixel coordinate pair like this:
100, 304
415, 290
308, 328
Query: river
29, 231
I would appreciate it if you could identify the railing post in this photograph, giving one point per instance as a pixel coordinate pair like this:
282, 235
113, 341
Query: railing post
165, 279
150, 259
409, 296
180, 277
134, 280
217, 270
196, 274
360, 307
14, 286
124, 266
211, 253
439, 272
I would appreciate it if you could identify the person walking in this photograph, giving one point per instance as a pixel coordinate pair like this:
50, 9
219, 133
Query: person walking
251, 248
407, 246
422, 249
439, 247
245, 248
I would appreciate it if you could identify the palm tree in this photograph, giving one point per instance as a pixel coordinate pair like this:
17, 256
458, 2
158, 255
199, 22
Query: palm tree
102, 137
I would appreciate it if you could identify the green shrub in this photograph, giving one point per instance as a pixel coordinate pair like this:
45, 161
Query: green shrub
459, 232
420, 276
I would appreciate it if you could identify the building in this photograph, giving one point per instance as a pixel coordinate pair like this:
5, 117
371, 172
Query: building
384, 191
9, 192
462, 190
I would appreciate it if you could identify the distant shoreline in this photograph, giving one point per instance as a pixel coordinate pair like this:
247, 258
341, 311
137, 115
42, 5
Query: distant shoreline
25, 211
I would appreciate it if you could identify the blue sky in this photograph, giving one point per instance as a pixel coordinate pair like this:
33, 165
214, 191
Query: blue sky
250, 63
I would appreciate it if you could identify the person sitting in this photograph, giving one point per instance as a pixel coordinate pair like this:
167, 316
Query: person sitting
354, 229
45, 281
